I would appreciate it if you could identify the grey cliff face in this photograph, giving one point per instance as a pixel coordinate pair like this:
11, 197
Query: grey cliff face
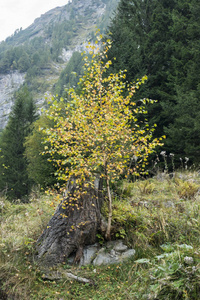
63, 13
87, 14
9, 83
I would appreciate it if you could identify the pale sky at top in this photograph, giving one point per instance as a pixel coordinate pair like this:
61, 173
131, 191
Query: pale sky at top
15, 14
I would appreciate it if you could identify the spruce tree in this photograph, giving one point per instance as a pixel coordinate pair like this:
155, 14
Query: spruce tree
13, 164
184, 132
161, 39
40, 168
142, 45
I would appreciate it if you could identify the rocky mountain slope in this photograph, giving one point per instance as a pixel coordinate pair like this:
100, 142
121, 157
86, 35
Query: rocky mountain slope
37, 55
9, 83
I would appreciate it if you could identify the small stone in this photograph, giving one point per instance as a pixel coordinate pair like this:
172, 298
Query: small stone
188, 260
88, 255
120, 247
169, 204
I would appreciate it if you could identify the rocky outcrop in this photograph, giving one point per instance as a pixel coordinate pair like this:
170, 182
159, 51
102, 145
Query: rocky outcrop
67, 54
86, 15
8, 85
112, 252
58, 15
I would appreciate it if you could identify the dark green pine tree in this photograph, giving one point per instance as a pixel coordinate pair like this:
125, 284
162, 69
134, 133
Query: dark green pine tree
41, 168
184, 133
142, 45
14, 179
160, 38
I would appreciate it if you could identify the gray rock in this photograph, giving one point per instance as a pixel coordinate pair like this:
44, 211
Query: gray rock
9, 83
128, 254
188, 260
105, 258
89, 254
120, 247
113, 253
168, 204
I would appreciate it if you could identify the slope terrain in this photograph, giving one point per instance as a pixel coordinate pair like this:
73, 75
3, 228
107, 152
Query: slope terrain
37, 55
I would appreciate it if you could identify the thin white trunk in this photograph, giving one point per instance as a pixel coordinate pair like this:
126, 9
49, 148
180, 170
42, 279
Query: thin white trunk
109, 210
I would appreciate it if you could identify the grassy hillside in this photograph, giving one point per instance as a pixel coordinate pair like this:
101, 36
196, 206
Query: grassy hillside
158, 217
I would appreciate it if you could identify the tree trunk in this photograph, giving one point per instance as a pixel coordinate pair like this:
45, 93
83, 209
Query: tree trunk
109, 210
74, 224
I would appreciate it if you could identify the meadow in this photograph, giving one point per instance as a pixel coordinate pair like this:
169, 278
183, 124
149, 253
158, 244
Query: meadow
158, 217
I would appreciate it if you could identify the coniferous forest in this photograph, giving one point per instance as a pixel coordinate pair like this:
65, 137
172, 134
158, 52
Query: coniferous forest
111, 153
161, 40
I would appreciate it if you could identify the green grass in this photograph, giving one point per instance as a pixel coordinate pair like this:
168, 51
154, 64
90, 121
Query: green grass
159, 217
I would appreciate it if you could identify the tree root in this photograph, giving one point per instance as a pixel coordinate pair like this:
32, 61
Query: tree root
60, 275
78, 278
